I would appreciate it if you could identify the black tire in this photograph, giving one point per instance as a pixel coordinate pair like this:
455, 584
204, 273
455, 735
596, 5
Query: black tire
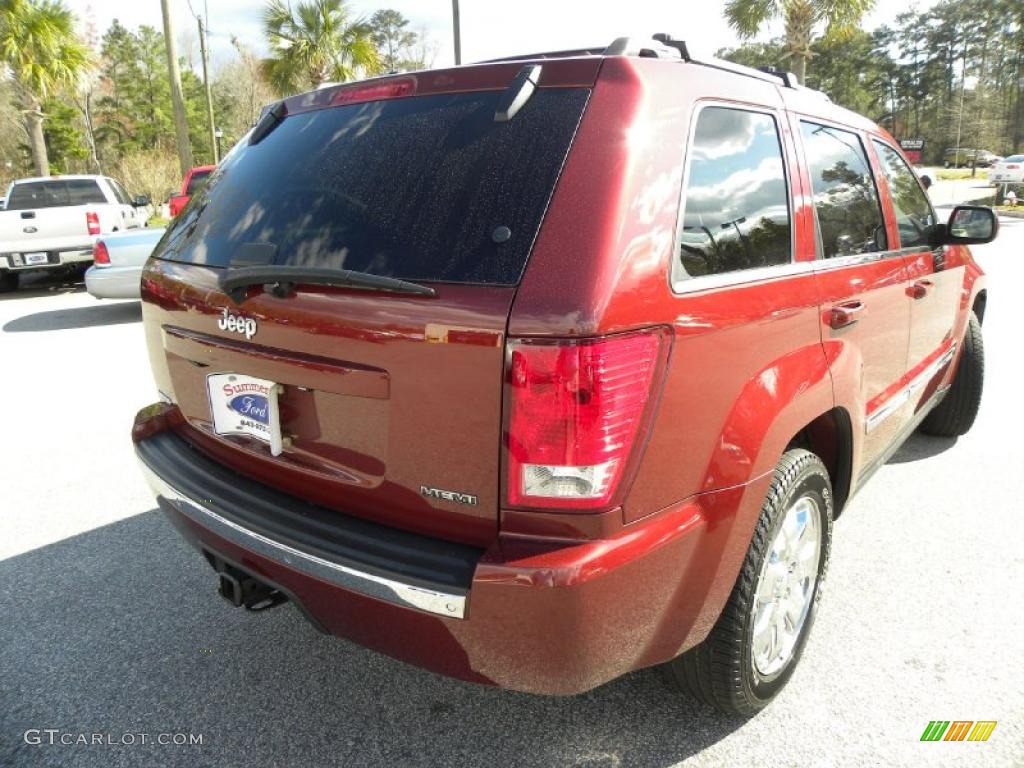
955, 415
9, 281
721, 670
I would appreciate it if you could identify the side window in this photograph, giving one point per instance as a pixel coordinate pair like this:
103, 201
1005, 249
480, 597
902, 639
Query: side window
849, 215
119, 192
913, 211
735, 204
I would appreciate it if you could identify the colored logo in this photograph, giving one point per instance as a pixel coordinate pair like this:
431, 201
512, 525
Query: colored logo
256, 407
958, 730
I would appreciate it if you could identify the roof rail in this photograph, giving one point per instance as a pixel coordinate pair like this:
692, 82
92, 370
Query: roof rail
773, 74
680, 45
788, 78
663, 46
637, 46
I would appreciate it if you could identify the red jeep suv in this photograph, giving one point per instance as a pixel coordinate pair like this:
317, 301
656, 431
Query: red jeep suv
542, 370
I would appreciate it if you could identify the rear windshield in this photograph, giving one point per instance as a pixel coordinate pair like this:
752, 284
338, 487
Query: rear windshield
196, 180
54, 193
425, 188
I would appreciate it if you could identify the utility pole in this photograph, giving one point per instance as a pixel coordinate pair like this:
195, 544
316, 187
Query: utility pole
180, 120
455, 29
209, 96
960, 116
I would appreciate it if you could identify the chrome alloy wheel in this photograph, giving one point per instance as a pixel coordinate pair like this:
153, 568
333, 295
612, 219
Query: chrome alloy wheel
785, 588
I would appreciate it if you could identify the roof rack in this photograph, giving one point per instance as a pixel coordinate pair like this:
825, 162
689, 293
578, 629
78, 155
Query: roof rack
788, 78
651, 48
663, 46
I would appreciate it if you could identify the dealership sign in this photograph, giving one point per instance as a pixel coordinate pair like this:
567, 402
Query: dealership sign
912, 148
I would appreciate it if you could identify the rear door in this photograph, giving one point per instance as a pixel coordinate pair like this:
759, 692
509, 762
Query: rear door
129, 214
862, 279
936, 275
389, 403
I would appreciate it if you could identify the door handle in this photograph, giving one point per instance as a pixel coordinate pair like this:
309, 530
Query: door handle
920, 289
842, 315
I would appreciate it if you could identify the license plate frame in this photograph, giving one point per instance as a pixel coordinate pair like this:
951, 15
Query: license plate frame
247, 406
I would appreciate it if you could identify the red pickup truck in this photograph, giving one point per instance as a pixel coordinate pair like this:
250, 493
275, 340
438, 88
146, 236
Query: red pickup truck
539, 371
194, 179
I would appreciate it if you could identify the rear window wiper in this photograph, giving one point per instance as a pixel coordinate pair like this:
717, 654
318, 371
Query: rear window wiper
282, 279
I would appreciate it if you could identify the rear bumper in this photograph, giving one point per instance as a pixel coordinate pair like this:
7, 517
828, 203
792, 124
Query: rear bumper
537, 616
114, 282
56, 257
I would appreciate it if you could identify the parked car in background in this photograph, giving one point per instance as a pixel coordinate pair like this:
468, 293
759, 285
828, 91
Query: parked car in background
1008, 170
52, 222
962, 158
194, 180
3, 203
559, 367
117, 263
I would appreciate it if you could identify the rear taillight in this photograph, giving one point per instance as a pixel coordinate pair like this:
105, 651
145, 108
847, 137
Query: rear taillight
575, 408
100, 254
1012, 167
92, 221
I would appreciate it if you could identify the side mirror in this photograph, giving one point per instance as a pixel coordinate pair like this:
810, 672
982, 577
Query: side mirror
141, 200
969, 225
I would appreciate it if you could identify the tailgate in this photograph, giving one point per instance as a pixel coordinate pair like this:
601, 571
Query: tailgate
385, 404
389, 403
50, 229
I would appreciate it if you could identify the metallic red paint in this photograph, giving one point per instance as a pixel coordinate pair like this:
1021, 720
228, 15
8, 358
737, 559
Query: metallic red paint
563, 601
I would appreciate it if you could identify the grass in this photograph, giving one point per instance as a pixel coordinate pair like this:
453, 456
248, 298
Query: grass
949, 174
158, 221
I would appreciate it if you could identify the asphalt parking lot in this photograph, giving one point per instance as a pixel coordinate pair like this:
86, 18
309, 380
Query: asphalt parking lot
110, 624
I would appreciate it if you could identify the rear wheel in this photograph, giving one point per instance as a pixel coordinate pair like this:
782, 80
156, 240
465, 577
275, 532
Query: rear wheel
754, 647
955, 415
8, 281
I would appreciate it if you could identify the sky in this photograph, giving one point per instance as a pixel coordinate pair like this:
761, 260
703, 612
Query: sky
489, 29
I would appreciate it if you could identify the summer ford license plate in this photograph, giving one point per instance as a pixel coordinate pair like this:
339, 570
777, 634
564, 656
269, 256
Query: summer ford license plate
245, 405
39, 257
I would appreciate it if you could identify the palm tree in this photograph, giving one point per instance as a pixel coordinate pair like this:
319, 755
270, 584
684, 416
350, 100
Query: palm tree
317, 42
42, 53
803, 18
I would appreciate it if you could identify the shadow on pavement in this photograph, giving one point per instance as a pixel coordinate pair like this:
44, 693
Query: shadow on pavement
919, 446
119, 630
78, 317
48, 283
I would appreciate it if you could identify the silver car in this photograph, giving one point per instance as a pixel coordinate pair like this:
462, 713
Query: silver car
118, 259
1008, 171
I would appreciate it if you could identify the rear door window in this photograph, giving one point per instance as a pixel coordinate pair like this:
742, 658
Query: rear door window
845, 198
914, 215
423, 188
55, 193
120, 192
736, 204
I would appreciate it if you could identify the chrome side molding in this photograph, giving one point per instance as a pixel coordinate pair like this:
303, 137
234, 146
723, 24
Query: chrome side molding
897, 401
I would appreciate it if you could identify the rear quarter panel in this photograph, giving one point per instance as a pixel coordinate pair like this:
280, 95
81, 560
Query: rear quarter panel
747, 369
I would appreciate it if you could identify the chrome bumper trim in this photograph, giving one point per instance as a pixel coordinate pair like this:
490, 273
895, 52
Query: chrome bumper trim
346, 577
894, 403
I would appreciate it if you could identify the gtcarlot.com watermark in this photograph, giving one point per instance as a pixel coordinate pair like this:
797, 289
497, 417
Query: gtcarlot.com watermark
56, 737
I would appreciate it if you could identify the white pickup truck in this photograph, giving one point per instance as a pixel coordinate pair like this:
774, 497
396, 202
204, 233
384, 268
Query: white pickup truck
53, 221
